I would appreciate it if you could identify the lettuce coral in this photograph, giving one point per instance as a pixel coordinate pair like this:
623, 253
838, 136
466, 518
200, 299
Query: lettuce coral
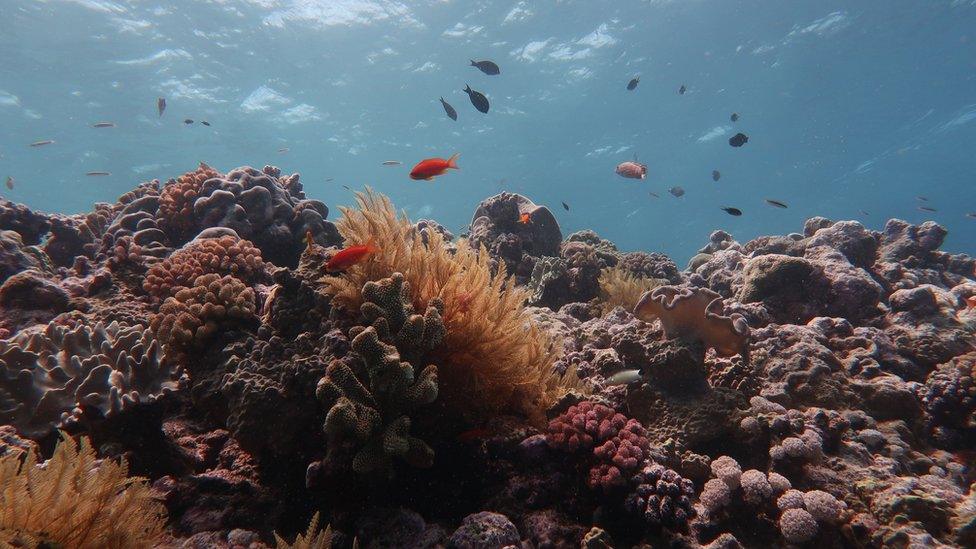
695, 315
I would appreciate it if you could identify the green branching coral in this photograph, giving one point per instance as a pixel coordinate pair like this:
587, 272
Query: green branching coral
368, 413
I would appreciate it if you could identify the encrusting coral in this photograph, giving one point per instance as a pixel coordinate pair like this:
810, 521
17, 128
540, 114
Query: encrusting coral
74, 500
492, 358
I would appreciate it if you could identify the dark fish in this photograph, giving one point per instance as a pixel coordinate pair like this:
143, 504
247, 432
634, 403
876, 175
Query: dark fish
392, 162
682, 90
95, 174
42, 143
328, 179
487, 67
864, 212
566, 206
971, 215
922, 198
677, 191
205, 123
188, 121
732, 211
346, 187
716, 175
927, 209
103, 125
776, 203
451, 113
633, 83
734, 117
654, 194
478, 99
283, 150
161, 105
738, 140
10, 183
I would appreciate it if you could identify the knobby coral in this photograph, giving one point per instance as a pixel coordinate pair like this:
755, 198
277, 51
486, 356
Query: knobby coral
176, 200
75, 501
192, 316
224, 255
492, 357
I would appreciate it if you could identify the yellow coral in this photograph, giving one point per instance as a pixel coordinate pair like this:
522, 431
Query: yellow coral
493, 357
312, 539
620, 288
75, 501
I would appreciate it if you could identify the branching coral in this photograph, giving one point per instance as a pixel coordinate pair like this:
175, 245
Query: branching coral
192, 316
620, 288
75, 501
492, 357
224, 255
696, 315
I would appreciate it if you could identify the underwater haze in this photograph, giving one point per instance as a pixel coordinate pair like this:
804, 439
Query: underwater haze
853, 110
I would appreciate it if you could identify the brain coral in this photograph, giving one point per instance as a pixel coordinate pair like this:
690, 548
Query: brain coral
50, 379
224, 255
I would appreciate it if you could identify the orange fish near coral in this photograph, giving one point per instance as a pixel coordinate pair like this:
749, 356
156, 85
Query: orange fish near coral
429, 168
524, 219
632, 170
350, 256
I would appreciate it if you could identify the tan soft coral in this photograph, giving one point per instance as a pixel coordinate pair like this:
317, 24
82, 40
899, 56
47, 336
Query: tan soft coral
224, 255
492, 357
695, 314
620, 288
176, 202
192, 317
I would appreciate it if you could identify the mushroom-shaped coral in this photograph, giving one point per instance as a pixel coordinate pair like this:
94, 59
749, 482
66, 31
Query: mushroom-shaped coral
695, 314
224, 255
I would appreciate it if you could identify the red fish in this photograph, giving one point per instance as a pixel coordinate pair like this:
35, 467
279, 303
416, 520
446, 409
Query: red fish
971, 302
633, 170
350, 256
524, 219
429, 168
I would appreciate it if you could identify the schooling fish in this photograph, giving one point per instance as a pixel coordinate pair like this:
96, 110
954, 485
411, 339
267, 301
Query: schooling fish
392, 162
103, 125
927, 209
429, 168
732, 211
971, 215
776, 203
205, 123
96, 174
283, 150
716, 175
655, 195
738, 140
188, 121
633, 83
451, 113
682, 90
478, 99
42, 143
922, 198
346, 187
677, 191
350, 256
328, 179
864, 212
487, 67
10, 183
734, 117
632, 170
161, 105
624, 377
566, 206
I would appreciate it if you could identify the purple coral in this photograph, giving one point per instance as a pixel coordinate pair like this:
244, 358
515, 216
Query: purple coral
662, 497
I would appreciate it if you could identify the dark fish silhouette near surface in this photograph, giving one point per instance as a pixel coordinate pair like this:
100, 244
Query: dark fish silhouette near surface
682, 90
451, 113
161, 105
654, 194
738, 140
478, 99
42, 143
96, 174
716, 175
734, 117
927, 209
487, 67
103, 125
732, 211
188, 121
922, 198
205, 123
968, 214
677, 191
328, 179
10, 183
392, 162
283, 150
864, 212
776, 203
566, 206
633, 83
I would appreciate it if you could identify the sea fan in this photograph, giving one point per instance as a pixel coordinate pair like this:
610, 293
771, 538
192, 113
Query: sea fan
492, 357
312, 539
74, 500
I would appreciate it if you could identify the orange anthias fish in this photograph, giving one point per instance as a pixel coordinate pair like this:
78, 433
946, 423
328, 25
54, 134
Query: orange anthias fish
350, 256
429, 168
524, 219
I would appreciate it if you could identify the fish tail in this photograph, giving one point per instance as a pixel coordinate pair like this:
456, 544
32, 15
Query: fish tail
467, 88
473, 64
452, 161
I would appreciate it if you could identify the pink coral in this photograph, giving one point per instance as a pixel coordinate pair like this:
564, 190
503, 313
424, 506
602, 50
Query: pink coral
225, 255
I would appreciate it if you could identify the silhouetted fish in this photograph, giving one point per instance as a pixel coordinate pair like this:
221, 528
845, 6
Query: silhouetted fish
682, 90
633, 83
103, 125
864, 212
566, 206
346, 187
738, 140
971, 215
677, 191
96, 174
451, 113
487, 67
716, 175
42, 143
161, 105
10, 183
734, 117
283, 150
205, 123
922, 198
654, 194
478, 99
328, 179
776, 203
188, 121
392, 162
927, 209
732, 211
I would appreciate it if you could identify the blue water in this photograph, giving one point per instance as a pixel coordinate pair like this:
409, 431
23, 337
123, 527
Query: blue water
848, 106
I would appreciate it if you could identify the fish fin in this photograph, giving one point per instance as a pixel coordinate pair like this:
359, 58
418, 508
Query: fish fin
452, 161
467, 88
429, 178
473, 64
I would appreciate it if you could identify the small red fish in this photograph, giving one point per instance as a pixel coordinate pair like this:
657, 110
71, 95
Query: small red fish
633, 170
429, 168
525, 219
350, 256
472, 435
